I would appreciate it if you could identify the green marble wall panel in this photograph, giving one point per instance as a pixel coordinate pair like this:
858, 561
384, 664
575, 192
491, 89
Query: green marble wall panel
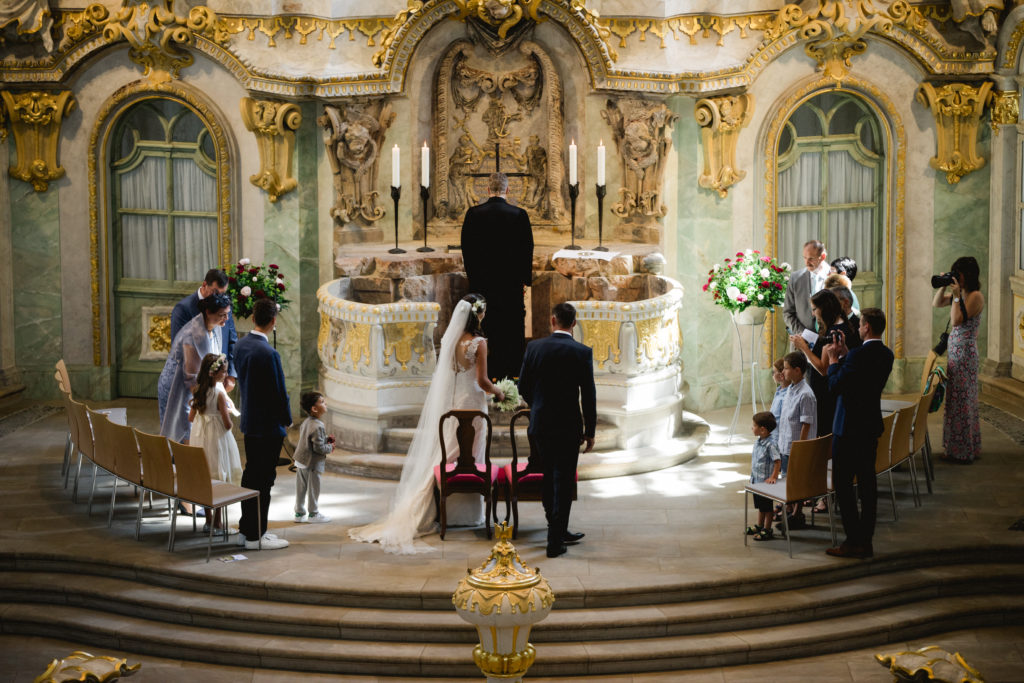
961, 229
35, 246
309, 148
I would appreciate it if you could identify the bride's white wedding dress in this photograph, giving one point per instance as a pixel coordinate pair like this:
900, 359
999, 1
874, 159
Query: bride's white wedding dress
411, 511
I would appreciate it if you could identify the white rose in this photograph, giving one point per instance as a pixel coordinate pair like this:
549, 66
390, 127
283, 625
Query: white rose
732, 292
243, 261
748, 252
716, 268
732, 280
279, 307
280, 281
786, 265
245, 291
764, 272
760, 297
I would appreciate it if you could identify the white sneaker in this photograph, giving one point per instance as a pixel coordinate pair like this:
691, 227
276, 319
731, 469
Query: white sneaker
318, 518
268, 543
300, 518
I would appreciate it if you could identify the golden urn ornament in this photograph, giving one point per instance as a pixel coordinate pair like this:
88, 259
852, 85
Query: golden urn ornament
503, 598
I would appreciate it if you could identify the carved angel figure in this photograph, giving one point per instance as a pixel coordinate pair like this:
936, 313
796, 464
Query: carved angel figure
31, 16
353, 138
640, 129
463, 160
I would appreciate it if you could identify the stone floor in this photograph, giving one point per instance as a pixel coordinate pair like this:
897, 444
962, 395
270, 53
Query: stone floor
681, 525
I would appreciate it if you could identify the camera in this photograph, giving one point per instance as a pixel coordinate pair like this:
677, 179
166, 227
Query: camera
942, 280
834, 337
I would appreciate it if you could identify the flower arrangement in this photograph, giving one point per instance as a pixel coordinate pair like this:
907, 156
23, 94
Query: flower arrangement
248, 283
511, 391
750, 279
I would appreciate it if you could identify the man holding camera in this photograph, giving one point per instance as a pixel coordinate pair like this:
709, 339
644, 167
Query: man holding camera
856, 377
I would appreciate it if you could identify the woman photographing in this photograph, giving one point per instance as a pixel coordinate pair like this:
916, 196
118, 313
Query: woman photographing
961, 430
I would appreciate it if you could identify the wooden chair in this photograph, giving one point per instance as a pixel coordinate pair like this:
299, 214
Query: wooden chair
127, 465
69, 443
63, 378
103, 452
158, 474
883, 451
919, 440
899, 451
83, 440
194, 485
465, 475
522, 480
807, 478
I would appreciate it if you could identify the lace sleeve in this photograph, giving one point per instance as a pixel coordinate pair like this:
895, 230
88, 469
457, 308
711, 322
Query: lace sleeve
471, 349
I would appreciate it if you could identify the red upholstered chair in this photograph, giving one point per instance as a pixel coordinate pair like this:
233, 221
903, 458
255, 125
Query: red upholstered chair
523, 480
464, 475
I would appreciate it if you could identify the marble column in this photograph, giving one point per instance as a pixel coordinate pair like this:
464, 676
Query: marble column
10, 380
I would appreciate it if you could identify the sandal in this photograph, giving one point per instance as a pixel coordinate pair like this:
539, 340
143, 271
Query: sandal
754, 530
764, 535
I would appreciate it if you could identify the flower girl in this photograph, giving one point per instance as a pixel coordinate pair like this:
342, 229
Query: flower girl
211, 415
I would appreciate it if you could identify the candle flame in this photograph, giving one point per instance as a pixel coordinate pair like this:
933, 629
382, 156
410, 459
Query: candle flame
573, 141
424, 144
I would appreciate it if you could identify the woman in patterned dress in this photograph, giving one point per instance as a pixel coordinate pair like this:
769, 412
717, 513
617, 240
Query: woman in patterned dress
961, 430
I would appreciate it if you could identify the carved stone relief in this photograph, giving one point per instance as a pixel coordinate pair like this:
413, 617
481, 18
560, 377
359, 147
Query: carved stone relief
957, 108
35, 119
720, 120
507, 105
354, 135
274, 123
642, 133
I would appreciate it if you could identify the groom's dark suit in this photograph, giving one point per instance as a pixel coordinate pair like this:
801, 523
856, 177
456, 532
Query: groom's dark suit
857, 381
557, 374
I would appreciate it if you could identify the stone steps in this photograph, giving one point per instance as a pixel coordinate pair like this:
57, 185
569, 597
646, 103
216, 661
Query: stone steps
737, 622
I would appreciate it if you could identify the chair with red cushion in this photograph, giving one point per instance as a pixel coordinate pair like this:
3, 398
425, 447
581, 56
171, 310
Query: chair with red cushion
523, 480
464, 475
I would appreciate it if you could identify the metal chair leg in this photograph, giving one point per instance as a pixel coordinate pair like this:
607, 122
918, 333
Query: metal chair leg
138, 516
892, 494
746, 515
67, 460
92, 491
113, 498
831, 523
174, 518
789, 536
913, 483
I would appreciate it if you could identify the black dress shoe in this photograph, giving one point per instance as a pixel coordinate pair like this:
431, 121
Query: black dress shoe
573, 537
852, 551
555, 552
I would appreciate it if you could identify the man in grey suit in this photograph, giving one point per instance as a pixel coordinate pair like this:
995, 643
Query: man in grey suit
802, 284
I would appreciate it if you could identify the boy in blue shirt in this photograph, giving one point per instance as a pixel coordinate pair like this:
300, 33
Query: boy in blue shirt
765, 464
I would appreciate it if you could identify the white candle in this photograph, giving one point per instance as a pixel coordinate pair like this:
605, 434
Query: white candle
425, 165
572, 162
600, 163
396, 181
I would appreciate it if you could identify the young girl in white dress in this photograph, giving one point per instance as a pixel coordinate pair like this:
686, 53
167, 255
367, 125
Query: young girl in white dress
211, 418
460, 382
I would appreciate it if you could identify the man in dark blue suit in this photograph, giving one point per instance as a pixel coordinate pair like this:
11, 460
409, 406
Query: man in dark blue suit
215, 282
857, 378
265, 416
497, 252
557, 375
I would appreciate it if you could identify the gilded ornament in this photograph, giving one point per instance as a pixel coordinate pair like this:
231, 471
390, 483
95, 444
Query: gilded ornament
957, 108
274, 124
720, 120
82, 24
1005, 108
691, 26
354, 134
930, 663
403, 340
82, 666
35, 119
159, 333
501, 14
284, 28
357, 343
603, 337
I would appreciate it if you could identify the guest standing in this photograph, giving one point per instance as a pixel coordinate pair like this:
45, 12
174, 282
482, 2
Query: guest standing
497, 251
215, 282
857, 378
961, 430
311, 453
557, 375
796, 310
202, 335
265, 416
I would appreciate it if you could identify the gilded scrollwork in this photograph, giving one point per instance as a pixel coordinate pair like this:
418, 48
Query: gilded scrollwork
402, 340
704, 25
82, 666
658, 338
356, 343
957, 108
1005, 108
603, 337
286, 28
35, 120
501, 15
354, 134
720, 120
159, 333
274, 124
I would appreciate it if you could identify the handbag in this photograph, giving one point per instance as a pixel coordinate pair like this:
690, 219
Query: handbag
938, 379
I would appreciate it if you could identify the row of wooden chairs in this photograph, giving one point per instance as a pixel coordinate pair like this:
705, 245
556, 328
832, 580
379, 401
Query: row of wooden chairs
809, 475
151, 463
515, 481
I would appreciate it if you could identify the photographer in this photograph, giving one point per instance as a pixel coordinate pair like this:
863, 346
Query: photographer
961, 431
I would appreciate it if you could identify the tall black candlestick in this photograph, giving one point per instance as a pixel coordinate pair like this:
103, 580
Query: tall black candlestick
424, 195
396, 192
574, 193
601, 191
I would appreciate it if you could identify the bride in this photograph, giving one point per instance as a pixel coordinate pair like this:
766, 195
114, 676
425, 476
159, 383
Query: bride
460, 382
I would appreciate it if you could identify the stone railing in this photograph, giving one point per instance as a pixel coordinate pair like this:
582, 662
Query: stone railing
377, 361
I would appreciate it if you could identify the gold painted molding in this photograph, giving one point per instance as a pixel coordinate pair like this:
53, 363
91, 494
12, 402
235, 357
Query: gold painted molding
895, 184
957, 108
274, 123
603, 337
35, 119
690, 25
286, 28
1005, 108
720, 120
111, 109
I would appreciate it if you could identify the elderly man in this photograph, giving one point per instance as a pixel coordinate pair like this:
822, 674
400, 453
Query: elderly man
802, 284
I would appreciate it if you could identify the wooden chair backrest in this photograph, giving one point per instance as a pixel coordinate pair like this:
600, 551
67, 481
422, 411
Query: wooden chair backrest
921, 420
882, 450
929, 365
103, 446
192, 472
465, 434
84, 432
72, 423
63, 379
807, 476
516, 417
157, 468
127, 462
901, 434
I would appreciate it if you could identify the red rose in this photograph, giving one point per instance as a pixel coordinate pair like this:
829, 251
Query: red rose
778, 285
273, 266
259, 294
765, 283
232, 280
727, 260
756, 251
705, 288
240, 270
740, 254
254, 271
280, 286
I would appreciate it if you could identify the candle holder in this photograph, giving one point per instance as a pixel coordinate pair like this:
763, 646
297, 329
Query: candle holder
424, 195
396, 192
574, 193
602, 190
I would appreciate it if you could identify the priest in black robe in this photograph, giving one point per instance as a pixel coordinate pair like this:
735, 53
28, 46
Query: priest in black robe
497, 250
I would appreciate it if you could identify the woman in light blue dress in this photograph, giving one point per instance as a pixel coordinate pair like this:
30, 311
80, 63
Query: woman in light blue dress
200, 336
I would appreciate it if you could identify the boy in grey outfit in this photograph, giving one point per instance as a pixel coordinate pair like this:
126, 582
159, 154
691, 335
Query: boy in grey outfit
310, 457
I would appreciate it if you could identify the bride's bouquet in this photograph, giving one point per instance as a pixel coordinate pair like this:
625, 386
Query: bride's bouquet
511, 391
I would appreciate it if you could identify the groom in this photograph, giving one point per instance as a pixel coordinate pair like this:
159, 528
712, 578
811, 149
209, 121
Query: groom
557, 373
